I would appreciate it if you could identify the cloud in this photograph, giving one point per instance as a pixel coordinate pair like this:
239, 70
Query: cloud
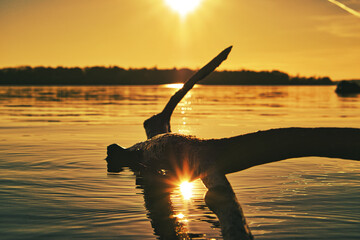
346, 8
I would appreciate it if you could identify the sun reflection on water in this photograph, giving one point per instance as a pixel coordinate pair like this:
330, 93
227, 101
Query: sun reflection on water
180, 216
186, 190
174, 85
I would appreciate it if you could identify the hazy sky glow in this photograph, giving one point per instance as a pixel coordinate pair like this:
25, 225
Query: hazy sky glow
183, 7
306, 37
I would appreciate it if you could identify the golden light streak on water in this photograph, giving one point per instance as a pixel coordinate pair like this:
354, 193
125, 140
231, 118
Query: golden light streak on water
174, 85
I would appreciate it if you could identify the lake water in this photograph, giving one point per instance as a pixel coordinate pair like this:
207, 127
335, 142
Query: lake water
54, 185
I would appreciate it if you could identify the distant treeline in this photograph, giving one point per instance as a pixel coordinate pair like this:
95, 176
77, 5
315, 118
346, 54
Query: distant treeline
120, 76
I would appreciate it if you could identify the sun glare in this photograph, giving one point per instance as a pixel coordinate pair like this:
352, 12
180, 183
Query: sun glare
183, 7
186, 190
180, 216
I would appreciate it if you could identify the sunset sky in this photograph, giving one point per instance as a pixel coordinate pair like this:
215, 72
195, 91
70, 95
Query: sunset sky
306, 37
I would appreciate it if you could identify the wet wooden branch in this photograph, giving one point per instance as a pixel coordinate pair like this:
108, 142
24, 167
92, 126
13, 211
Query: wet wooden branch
211, 159
227, 155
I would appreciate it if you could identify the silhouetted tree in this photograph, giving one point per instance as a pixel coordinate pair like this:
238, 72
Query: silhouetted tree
114, 75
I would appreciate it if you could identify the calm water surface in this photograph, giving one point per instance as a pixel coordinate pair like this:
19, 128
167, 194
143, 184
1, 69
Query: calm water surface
54, 185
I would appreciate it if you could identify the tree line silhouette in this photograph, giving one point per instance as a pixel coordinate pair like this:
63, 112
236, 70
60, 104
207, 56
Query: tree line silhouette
143, 76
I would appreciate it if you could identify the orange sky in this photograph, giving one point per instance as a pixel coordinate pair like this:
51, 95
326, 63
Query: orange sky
306, 37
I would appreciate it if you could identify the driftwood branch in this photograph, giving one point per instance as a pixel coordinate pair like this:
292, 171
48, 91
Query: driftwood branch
160, 123
211, 159
176, 152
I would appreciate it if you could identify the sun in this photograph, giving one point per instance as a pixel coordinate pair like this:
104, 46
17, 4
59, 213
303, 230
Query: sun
183, 7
